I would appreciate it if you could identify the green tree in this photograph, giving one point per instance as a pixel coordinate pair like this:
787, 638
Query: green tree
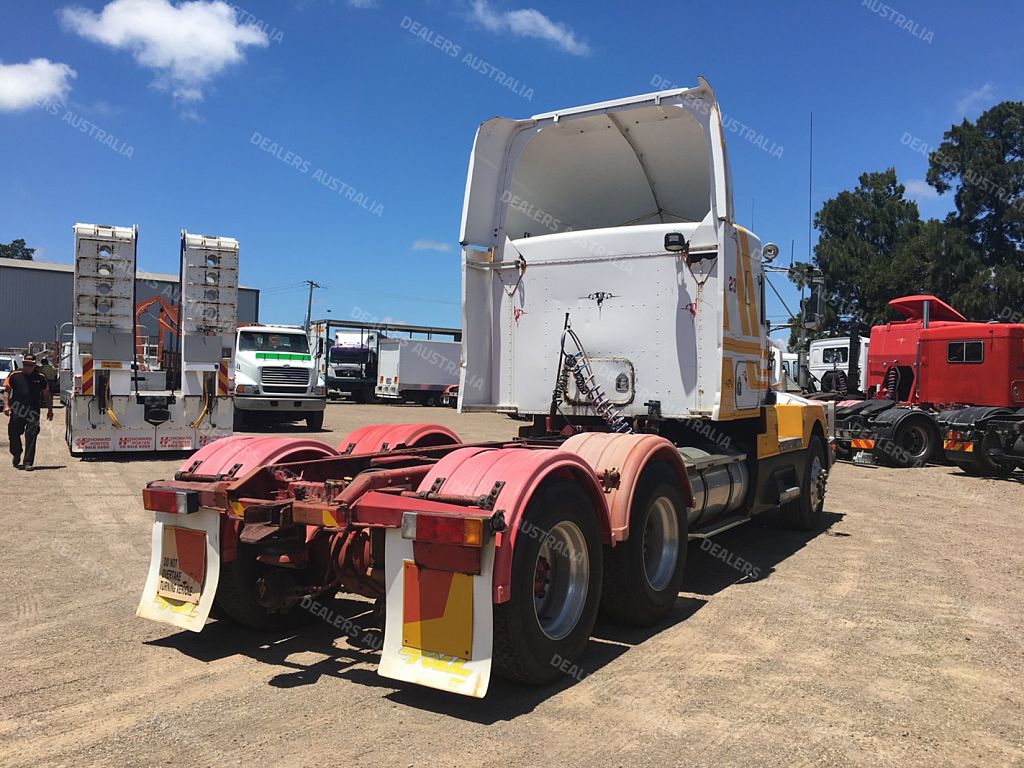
16, 250
863, 253
983, 162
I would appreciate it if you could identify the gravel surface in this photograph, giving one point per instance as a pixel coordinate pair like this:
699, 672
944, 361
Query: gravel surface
892, 636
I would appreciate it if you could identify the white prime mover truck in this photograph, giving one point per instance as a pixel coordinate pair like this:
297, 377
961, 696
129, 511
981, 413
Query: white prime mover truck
828, 360
277, 376
416, 370
662, 429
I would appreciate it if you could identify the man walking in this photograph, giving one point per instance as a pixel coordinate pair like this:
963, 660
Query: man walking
25, 391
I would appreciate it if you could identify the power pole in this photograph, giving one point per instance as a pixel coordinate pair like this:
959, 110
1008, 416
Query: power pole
309, 304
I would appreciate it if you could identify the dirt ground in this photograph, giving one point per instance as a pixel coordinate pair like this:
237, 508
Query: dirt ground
892, 636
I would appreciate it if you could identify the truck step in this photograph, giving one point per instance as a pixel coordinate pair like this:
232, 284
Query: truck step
719, 526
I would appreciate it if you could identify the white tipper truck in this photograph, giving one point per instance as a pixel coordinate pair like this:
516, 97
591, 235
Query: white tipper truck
277, 376
416, 370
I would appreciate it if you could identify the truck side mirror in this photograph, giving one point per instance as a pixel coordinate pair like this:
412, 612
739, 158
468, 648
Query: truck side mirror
320, 347
812, 321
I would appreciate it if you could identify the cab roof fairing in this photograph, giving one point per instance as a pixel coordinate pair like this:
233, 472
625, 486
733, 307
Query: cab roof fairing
628, 165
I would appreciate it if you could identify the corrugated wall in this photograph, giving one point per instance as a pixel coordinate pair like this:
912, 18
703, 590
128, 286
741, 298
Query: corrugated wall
34, 302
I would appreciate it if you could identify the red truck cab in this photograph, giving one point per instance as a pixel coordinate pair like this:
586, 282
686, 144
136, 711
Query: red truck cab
937, 357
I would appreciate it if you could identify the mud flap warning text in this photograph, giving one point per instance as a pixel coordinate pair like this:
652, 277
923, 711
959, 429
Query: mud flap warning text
182, 564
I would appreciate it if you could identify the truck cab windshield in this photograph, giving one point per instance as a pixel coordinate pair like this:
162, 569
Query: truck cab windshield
271, 341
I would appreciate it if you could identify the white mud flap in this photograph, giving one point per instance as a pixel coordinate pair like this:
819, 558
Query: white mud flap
439, 626
183, 570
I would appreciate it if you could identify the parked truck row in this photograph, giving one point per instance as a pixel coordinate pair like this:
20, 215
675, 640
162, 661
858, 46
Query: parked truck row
364, 359
939, 387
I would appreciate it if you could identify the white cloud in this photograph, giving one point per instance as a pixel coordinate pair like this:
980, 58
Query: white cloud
919, 189
187, 44
362, 3
529, 22
431, 245
23, 86
976, 101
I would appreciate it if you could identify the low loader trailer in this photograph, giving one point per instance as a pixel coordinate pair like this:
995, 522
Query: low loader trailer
663, 428
113, 404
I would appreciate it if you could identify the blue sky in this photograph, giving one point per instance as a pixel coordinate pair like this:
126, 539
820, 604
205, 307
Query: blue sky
185, 94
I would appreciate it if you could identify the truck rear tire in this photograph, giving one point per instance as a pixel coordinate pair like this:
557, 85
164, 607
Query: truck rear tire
315, 421
916, 440
236, 596
804, 514
643, 574
981, 465
555, 587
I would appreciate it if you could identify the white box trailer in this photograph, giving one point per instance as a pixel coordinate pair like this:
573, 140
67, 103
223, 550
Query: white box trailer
416, 370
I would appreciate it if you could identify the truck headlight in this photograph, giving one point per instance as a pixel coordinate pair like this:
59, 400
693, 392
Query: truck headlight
319, 391
245, 389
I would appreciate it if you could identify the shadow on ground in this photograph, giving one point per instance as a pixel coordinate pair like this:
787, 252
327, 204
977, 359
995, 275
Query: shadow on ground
354, 658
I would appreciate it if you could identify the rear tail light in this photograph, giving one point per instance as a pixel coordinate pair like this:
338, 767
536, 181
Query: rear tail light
170, 500
465, 530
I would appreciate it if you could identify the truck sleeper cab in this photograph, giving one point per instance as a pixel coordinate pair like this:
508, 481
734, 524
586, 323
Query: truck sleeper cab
608, 297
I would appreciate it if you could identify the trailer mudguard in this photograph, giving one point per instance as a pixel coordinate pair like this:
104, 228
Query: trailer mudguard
620, 460
966, 420
237, 455
435, 609
376, 438
507, 478
183, 570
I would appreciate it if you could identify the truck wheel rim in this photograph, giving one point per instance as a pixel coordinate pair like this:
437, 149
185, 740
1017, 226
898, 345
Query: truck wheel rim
915, 441
660, 543
561, 580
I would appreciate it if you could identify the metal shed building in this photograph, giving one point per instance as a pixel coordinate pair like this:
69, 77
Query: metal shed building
36, 298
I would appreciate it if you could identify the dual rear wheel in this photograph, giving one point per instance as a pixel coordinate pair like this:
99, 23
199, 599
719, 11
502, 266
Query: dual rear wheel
562, 575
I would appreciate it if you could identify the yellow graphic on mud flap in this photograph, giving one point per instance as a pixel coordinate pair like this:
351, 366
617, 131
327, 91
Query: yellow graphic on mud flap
437, 611
174, 606
435, 661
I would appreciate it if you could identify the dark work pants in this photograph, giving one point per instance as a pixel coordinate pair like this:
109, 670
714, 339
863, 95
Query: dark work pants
27, 424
